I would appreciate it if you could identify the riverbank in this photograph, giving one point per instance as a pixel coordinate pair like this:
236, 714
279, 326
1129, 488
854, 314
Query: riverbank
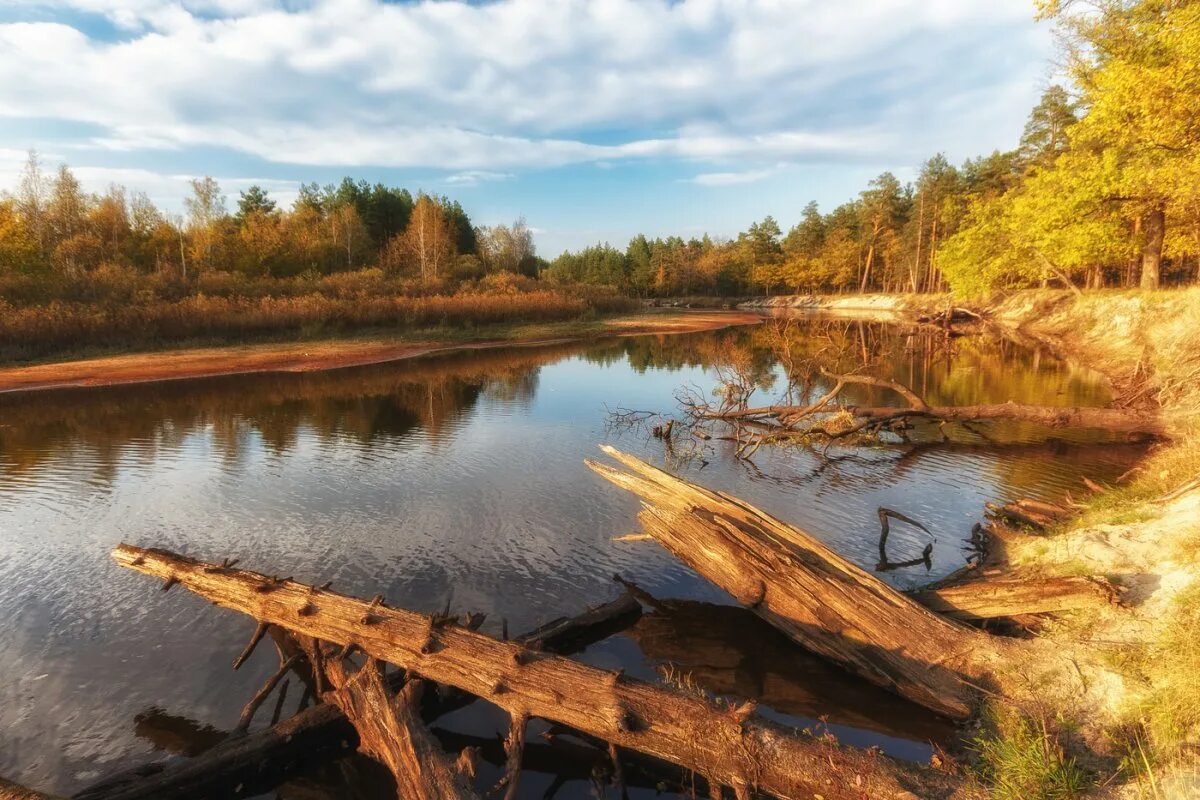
326, 354
1140, 712
1143, 534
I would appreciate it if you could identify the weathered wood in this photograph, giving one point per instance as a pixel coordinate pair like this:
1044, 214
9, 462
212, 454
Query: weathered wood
12, 791
1029, 513
685, 729
1121, 420
1015, 596
817, 598
390, 731
260, 760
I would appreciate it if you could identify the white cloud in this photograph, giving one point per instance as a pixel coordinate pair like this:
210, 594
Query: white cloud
731, 178
509, 84
474, 177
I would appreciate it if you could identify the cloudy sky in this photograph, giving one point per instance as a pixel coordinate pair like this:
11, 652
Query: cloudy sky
594, 119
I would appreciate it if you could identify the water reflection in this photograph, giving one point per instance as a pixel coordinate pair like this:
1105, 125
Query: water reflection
458, 478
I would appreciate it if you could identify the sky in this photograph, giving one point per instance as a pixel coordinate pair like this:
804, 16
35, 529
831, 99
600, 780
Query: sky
593, 119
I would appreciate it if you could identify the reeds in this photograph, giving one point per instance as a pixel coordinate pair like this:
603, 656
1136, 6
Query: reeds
121, 309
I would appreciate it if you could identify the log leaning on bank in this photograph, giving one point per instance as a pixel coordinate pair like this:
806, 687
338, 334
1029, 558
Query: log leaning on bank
1016, 596
729, 745
814, 596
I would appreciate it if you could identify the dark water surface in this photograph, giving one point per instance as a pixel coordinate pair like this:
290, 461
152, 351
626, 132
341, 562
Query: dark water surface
461, 478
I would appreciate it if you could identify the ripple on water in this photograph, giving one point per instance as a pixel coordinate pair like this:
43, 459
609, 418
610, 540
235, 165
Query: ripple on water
456, 478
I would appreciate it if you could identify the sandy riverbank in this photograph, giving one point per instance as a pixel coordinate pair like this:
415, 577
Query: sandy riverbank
337, 353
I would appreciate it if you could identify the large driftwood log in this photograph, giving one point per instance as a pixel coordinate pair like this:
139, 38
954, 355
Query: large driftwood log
816, 597
727, 744
251, 764
1016, 596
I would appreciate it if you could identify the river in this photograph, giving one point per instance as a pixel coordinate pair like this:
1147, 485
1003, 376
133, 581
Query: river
460, 479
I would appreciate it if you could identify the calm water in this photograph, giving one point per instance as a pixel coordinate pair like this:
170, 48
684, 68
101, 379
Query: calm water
461, 479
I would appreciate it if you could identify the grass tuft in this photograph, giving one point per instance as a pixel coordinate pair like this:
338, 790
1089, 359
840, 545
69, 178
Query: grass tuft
1020, 760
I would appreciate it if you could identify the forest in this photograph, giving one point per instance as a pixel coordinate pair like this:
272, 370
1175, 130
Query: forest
1103, 189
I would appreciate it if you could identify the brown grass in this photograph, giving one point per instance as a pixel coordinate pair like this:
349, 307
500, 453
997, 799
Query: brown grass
117, 310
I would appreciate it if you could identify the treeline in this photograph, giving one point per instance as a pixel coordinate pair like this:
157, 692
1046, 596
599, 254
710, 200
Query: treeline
83, 273
50, 227
1103, 189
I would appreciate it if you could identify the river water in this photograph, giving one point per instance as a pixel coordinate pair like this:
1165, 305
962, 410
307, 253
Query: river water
460, 479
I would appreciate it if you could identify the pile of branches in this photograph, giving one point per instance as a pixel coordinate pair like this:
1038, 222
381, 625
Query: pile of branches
829, 418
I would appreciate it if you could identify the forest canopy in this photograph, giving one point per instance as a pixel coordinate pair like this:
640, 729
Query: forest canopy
1103, 189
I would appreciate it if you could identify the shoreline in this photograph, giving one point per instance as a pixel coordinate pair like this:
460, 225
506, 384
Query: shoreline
330, 354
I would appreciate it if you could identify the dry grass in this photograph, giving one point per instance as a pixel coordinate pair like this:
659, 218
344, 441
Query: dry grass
123, 311
1167, 713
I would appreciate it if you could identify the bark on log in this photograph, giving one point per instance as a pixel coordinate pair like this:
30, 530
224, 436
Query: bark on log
817, 598
390, 731
1015, 596
260, 760
12, 791
682, 728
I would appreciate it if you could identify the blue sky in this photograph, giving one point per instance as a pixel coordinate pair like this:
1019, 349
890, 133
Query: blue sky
595, 119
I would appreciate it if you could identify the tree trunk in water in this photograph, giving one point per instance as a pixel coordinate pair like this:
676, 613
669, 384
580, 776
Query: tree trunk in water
816, 597
263, 759
728, 745
1155, 231
1118, 420
390, 731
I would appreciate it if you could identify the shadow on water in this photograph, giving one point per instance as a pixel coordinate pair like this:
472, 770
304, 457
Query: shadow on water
461, 477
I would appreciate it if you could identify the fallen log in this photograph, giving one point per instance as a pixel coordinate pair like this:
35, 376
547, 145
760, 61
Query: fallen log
1029, 513
1119, 420
254, 763
729, 745
817, 598
1016, 596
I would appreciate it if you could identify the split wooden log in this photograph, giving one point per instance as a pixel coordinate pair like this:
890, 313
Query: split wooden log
729, 745
1016, 596
390, 731
260, 760
817, 598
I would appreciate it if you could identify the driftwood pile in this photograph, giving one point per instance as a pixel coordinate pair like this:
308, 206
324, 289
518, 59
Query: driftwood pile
381, 674
830, 418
